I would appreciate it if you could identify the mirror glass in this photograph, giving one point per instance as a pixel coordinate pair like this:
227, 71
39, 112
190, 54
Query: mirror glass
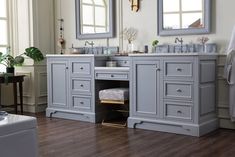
94, 19
178, 17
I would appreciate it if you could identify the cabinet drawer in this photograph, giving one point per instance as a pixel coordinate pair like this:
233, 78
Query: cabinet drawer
178, 111
178, 69
82, 103
178, 90
111, 76
81, 68
123, 63
81, 86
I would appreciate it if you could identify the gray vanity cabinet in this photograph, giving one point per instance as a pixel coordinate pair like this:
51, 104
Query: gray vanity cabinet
173, 93
145, 88
71, 87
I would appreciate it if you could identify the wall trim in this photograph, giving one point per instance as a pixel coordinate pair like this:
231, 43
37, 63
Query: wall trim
41, 93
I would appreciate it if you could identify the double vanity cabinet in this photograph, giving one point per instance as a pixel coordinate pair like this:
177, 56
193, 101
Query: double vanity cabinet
168, 92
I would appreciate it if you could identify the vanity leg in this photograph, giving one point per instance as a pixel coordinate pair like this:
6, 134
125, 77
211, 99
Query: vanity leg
15, 95
21, 97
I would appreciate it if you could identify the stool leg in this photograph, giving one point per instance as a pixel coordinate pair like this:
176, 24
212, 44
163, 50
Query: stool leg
15, 95
21, 97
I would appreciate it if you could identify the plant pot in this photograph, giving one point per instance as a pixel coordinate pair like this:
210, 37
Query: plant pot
10, 70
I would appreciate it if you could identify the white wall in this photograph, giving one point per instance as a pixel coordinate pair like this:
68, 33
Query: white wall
68, 14
33, 25
146, 22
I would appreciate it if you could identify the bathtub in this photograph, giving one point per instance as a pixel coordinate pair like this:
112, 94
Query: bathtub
18, 136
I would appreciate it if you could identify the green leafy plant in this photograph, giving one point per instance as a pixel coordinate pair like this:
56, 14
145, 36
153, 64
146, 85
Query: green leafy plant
10, 61
154, 43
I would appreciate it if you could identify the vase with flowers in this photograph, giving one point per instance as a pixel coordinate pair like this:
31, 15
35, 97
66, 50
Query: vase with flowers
203, 40
130, 34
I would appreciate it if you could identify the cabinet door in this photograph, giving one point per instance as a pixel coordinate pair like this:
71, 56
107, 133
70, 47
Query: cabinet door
58, 83
145, 87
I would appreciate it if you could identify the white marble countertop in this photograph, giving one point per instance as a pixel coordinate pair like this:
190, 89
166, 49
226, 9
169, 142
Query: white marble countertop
171, 54
136, 54
70, 55
78, 55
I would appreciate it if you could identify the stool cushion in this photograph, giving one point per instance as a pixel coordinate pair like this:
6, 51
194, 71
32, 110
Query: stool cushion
118, 94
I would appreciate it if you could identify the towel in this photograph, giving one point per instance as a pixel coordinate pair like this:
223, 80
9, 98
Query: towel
231, 82
230, 54
229, 74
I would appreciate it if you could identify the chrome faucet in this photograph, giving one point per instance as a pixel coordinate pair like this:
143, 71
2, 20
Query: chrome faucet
90, 43
181, 43
179, 40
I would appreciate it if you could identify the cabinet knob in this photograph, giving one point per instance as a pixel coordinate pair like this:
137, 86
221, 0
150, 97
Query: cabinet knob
180, 112
179, 90
81, 103
112, 75
158, 69
81, 85
81, 68
178, 69
67, 68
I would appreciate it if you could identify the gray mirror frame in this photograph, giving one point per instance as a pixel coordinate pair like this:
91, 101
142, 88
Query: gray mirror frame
109, 34
191, 31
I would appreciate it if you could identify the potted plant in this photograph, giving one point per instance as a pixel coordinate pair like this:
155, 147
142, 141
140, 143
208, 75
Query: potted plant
10, 62
154, 45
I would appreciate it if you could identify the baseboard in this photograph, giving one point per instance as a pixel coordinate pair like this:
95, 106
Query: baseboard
34, 108
173, 127
67, 114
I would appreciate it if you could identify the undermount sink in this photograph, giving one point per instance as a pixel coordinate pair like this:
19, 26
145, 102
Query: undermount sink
94, 50
186, 48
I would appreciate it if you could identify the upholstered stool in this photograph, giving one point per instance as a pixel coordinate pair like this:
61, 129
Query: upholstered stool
115, 97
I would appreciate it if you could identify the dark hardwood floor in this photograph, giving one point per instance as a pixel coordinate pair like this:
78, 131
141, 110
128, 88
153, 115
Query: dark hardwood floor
67, 138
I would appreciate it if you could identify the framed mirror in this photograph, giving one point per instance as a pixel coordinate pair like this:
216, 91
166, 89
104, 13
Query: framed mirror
182, 17
94, 19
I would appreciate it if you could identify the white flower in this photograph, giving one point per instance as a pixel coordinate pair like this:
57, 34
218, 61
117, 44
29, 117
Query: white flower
203, 40
129, 34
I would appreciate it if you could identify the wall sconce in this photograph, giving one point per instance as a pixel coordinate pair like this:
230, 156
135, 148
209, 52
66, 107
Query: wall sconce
134, 5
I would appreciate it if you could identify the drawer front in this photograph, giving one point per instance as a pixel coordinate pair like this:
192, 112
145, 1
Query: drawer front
81, 86
81, 68
111, 76
178, 69
178, 90
81, 103
123, 63
178, 111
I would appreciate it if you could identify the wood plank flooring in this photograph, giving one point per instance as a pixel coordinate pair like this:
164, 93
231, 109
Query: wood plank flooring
66, 138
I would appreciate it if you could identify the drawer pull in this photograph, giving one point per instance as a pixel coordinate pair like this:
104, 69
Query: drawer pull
81, 68
81, 103
112, 75
179, 90
81, 85
180, 112
179, 69
158, 69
